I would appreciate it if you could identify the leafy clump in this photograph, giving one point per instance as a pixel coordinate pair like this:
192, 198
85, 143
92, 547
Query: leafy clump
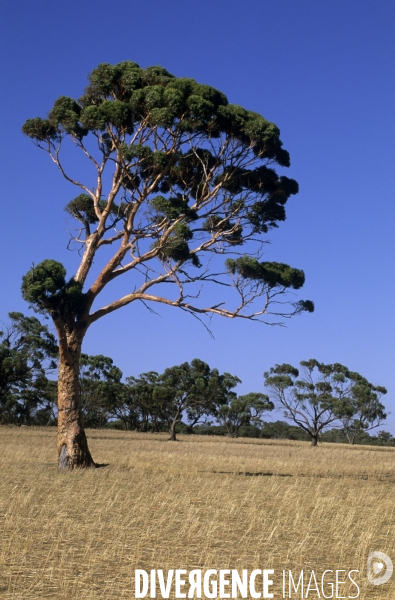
173, 208
271, 273
176, 247
45, 287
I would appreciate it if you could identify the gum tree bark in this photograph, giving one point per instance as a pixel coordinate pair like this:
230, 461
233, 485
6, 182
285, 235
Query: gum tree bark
73, 451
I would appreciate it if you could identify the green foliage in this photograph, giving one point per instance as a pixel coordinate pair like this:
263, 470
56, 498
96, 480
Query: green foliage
176, 247
280, 430
140, 407
65, 114
251, 128
386, 438
43, 281
304, 305
28, 351
124, 95
230, 229
100, 388
244, 410
154, 402
326, 394
41, 130
82, 209
45, 288
173, 208
362, 411
271, 273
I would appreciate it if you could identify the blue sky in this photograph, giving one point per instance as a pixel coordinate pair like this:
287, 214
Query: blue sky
322, 71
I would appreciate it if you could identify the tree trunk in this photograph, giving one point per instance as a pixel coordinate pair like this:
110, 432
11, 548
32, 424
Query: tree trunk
172, 431
314, 440
73, 448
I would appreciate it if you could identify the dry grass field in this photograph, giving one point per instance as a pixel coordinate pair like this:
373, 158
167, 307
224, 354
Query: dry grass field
199, 503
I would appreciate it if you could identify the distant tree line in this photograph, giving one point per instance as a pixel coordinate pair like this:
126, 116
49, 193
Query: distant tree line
323, 402
281, 430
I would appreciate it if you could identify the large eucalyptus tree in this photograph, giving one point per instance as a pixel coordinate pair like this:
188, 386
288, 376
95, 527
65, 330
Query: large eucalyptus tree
179, 177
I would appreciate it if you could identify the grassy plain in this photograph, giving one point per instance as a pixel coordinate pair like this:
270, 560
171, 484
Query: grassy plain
200, 503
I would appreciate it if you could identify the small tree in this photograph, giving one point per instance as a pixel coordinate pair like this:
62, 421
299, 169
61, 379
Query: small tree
362, 410
243, 410
28, 351
219, 390
194, 388
385, 437
322, 395
177, 176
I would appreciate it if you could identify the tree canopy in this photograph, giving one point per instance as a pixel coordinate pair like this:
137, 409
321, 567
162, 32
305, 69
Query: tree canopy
362, 411
194, 388
180, 173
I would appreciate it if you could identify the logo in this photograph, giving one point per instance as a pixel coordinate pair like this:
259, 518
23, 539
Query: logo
376, 563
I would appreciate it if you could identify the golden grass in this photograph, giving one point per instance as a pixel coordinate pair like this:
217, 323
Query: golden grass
200, 503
